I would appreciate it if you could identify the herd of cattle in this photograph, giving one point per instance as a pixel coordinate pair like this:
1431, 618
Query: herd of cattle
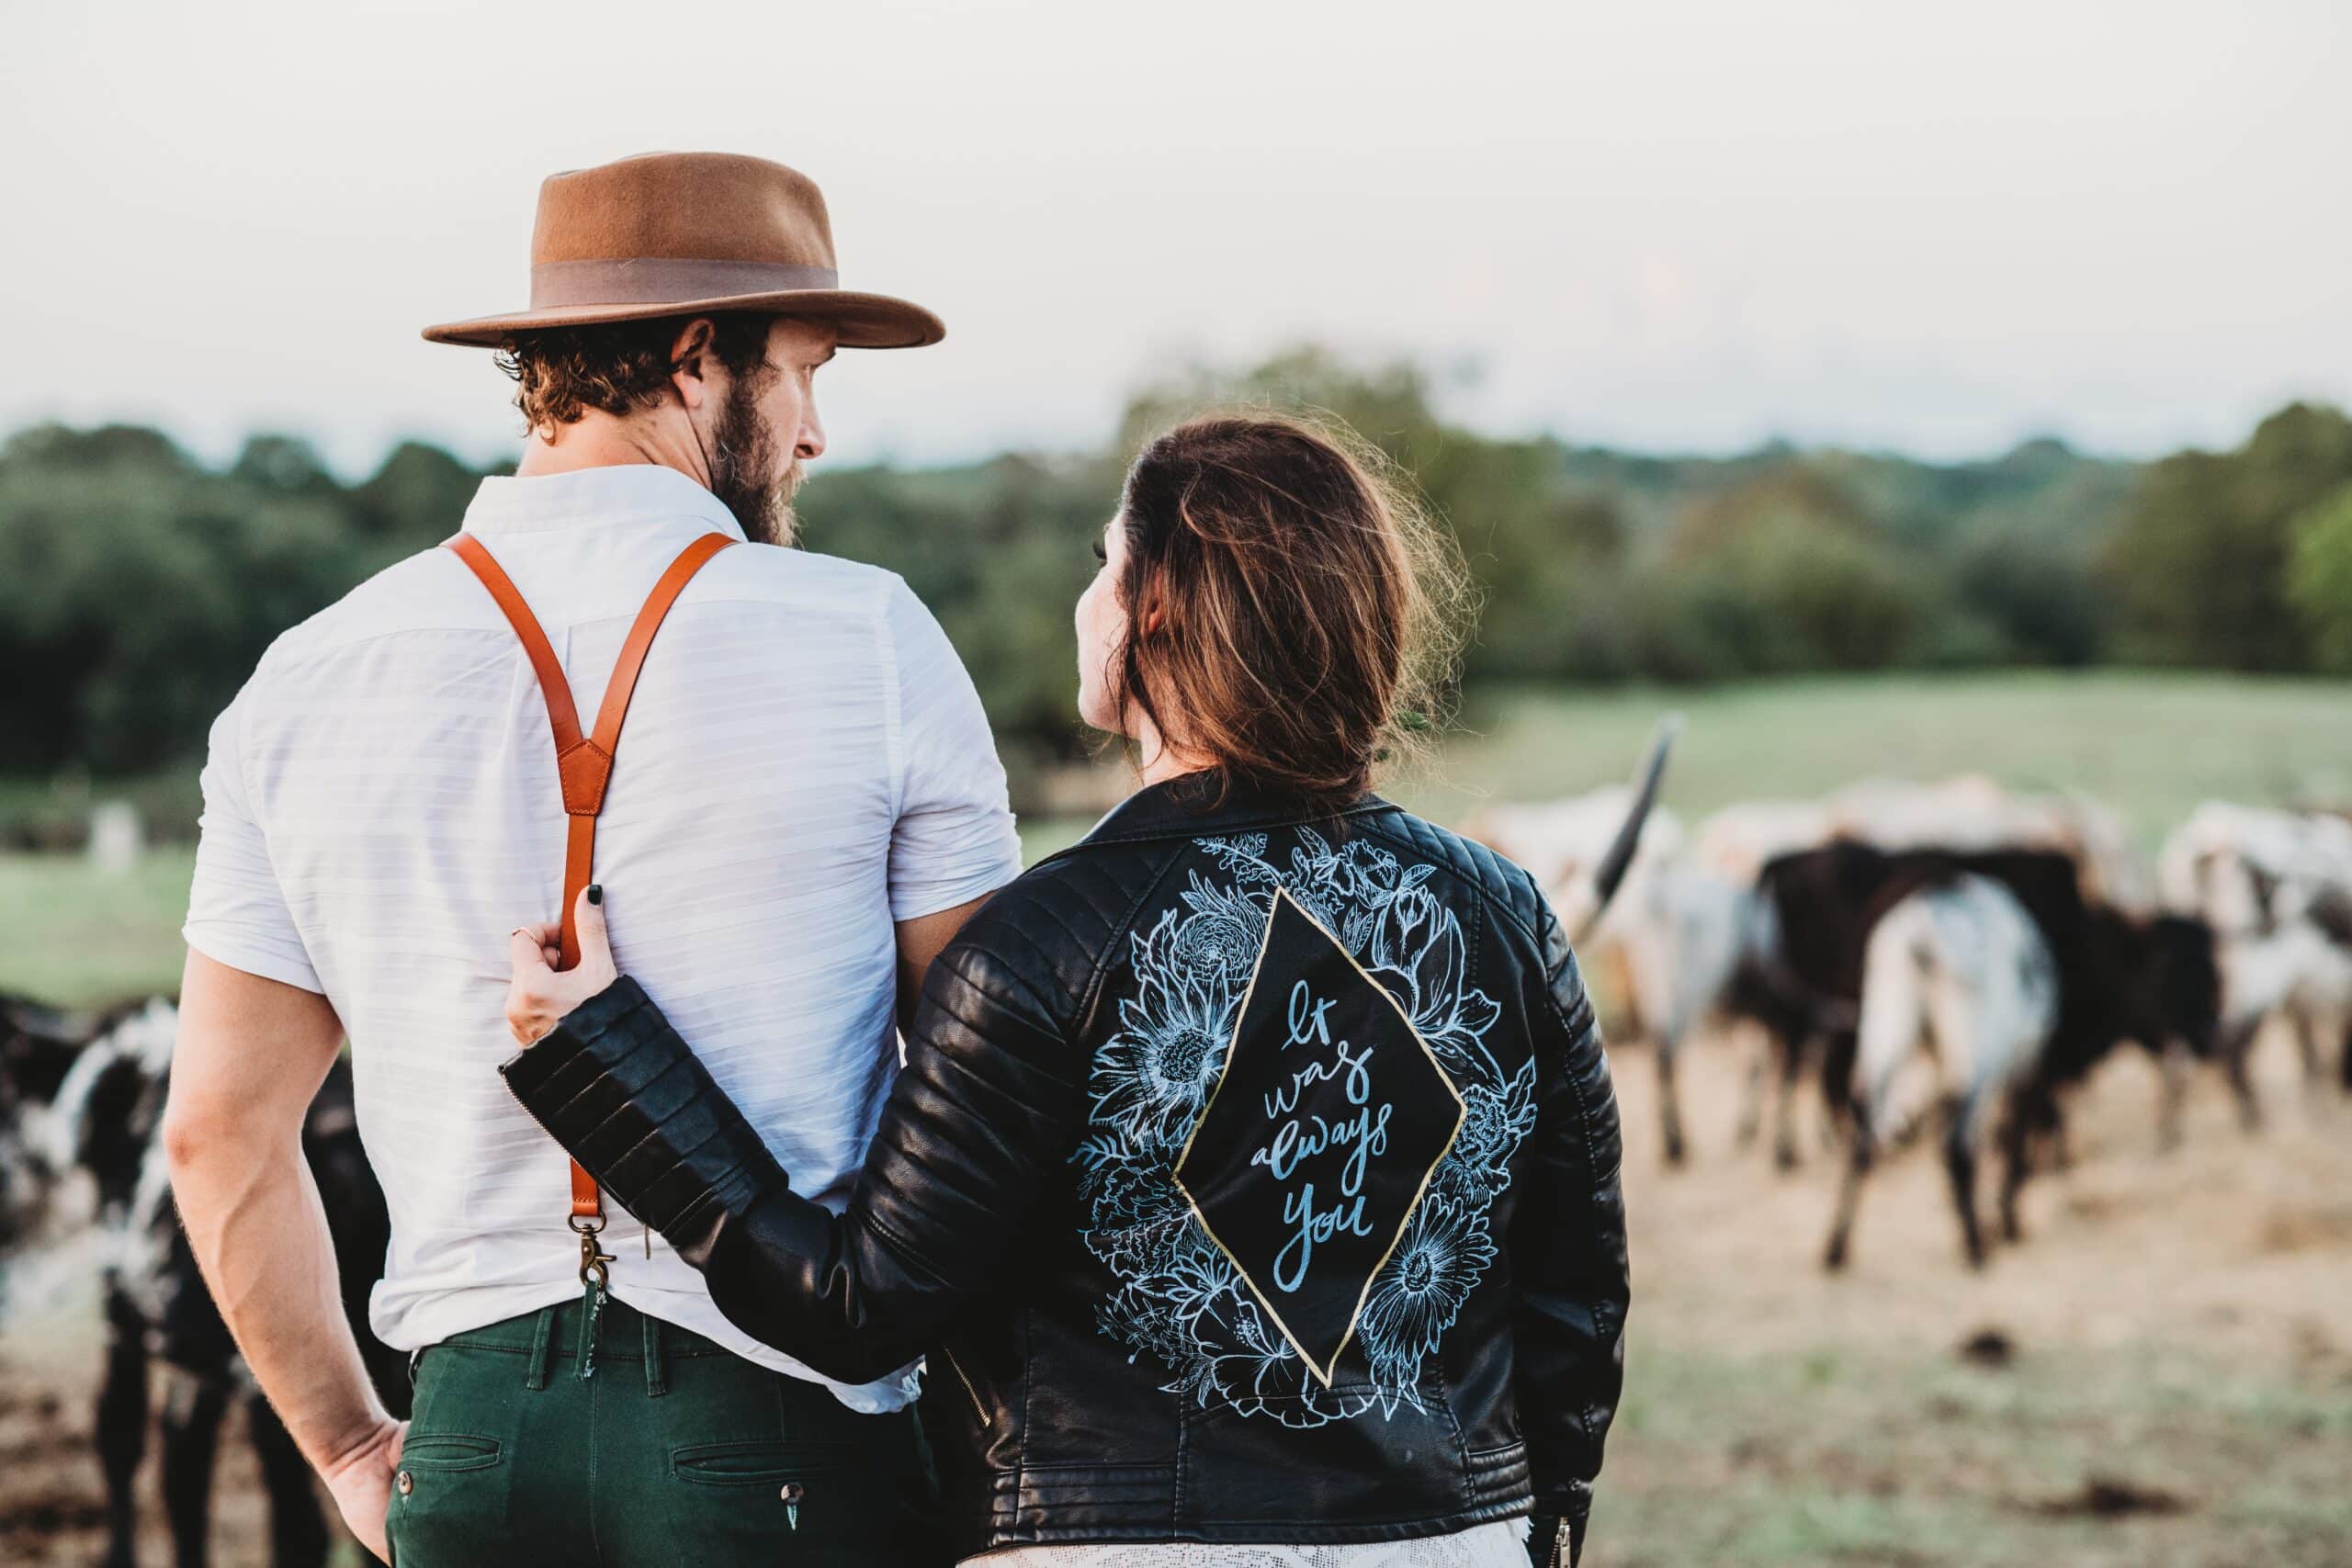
1957, 955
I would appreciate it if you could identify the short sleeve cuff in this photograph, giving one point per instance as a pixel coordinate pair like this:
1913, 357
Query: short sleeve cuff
270, 963
913, 900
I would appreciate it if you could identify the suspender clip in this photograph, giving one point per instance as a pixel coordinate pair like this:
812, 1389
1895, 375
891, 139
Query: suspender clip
593, 1257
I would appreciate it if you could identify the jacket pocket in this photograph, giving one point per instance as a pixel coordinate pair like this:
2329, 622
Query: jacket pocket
751, 1464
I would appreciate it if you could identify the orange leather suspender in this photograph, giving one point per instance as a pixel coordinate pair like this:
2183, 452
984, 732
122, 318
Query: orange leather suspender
584, 764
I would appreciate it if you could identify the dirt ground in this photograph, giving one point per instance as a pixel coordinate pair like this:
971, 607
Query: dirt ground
2160, 1374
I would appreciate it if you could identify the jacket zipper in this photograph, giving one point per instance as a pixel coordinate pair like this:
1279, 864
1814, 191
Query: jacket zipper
979, 1411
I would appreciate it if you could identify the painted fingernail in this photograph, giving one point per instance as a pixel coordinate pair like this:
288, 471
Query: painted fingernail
595, 893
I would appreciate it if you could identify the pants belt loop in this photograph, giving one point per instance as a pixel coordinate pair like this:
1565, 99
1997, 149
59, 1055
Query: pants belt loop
542, 1333
657, 1376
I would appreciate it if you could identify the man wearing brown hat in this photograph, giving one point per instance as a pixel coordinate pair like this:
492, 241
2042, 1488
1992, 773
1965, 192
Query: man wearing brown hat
805, 806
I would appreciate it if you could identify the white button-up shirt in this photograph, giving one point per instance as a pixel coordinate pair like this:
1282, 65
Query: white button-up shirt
805, 762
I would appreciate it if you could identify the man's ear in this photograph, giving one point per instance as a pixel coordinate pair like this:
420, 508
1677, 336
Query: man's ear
687, 352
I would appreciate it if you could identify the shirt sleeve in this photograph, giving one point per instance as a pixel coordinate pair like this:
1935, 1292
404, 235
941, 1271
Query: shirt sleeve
237, 913
955, 840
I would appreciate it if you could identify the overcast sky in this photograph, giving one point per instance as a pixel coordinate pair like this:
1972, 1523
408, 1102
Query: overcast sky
1674, 226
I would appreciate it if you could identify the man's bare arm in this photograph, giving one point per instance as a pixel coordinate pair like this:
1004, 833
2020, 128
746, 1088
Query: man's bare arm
252, 1053
922, 939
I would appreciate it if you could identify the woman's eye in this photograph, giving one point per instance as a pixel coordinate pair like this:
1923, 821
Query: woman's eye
1100, 553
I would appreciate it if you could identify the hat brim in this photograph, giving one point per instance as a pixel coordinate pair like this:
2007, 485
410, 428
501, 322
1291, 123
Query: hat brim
866, 320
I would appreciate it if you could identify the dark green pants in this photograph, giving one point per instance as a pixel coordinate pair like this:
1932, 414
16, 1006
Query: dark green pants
671, 1452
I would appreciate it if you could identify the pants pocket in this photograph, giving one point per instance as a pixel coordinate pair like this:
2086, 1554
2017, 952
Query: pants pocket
452, 1502
797, 1504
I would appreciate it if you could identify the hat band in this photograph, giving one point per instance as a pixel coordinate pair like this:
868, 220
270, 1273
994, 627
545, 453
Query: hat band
659, 280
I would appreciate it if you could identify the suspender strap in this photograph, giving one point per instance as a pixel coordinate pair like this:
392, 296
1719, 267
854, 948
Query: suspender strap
584, 762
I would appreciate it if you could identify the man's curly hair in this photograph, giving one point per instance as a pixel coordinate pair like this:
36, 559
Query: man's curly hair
561, 372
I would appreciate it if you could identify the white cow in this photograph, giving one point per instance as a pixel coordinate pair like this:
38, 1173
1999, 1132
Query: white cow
1960, 998
1563, 842
2277, 887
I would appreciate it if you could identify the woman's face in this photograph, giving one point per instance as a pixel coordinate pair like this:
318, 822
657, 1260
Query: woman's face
1102, 631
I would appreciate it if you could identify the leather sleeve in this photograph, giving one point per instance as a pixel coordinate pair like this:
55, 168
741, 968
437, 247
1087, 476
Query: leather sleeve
1567, 1249
978, 1124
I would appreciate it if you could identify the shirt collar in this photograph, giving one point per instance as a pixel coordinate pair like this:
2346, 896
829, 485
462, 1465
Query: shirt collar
629, 493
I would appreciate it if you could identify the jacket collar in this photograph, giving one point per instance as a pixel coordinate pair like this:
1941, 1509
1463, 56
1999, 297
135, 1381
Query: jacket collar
1208, 804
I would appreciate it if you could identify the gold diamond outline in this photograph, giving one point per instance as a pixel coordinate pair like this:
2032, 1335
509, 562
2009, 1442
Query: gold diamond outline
1323, 1374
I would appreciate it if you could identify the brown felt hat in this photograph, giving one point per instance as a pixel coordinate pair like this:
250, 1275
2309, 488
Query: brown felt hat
681, 234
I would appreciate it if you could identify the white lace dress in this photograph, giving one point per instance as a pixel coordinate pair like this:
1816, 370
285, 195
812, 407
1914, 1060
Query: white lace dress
1501, 1544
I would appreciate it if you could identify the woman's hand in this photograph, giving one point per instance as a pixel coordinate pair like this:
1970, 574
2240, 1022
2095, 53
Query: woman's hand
541, 996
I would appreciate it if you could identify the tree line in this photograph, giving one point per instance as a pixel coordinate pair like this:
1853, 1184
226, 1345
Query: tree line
138, 585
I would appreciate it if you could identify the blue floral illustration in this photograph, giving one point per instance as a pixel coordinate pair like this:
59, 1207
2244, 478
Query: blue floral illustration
1415, 1297
1154, 1075
1179, 1298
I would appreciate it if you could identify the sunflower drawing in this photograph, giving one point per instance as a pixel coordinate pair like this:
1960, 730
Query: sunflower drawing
1152, 1079
1417, 1295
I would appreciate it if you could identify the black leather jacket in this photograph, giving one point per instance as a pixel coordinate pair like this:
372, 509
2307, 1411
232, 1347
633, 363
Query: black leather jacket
1375, 1289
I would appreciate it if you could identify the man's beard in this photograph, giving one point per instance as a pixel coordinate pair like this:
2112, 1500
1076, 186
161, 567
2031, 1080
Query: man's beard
745, 476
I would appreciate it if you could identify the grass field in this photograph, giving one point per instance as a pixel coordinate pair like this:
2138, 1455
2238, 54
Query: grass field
2151, 746
70, 936
2164, 1370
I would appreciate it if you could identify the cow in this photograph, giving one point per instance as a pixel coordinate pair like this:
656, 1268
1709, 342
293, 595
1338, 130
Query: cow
2119, 976
1971, 812
1673, 941
38, 1048
1563, 842
1694, 933
98, 1118
2277, 887
1961, 964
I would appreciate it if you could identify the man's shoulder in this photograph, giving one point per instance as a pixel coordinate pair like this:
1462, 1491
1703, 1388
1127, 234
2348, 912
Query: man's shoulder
807, 583
404, 596
788, 571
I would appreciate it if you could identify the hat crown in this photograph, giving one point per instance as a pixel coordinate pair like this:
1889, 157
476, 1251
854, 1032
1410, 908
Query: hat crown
680, 234
683, 206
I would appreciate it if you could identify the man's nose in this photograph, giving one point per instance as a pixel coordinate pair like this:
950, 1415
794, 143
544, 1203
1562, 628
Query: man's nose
811, 445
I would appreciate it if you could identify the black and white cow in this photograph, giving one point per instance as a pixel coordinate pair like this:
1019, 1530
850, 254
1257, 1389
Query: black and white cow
90, 1107
2116, 977
1695, 934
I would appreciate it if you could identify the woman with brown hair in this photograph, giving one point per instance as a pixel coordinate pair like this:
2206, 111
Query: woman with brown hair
1252, 1183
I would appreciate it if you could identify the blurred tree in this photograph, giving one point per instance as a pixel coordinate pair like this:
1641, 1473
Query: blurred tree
1793, 496
2319, 581
138, 586
286, 464
416, 499
2036, 598
2198, 563
133, 607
